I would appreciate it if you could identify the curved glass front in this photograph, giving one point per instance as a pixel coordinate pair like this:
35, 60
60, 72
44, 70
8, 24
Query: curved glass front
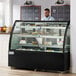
38, 36
67, 40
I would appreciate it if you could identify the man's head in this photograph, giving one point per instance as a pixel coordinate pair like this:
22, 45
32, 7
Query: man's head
46, 12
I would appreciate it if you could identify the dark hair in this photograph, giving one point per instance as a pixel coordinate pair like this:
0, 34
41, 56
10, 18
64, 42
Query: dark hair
47, 9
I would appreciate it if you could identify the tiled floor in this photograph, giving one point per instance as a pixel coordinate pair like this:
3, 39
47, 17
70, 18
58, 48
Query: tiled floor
14, 72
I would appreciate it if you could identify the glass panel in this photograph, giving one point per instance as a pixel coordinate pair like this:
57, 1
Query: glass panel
67, 41
54, 35
38, 36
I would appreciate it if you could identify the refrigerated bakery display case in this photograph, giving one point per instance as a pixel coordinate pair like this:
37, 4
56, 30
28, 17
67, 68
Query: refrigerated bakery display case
40, 45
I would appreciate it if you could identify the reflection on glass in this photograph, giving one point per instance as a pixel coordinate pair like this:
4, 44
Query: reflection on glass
38, 36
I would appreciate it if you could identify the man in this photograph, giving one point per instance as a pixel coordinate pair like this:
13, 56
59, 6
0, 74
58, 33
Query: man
47, 15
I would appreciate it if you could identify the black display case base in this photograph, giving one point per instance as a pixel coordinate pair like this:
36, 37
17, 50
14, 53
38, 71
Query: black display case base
39, 60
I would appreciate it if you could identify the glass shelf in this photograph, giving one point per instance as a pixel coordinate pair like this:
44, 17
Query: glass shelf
47, 46
39, 50
46, 27
41, 36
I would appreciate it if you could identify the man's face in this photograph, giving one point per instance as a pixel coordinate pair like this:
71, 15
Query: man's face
46, 13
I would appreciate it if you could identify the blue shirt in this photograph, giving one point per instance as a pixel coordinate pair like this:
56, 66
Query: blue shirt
49, 18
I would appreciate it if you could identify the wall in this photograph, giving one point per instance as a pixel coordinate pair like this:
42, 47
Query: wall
73, 35
4, 45
1, 0
16, 12
7, 12
43, 3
